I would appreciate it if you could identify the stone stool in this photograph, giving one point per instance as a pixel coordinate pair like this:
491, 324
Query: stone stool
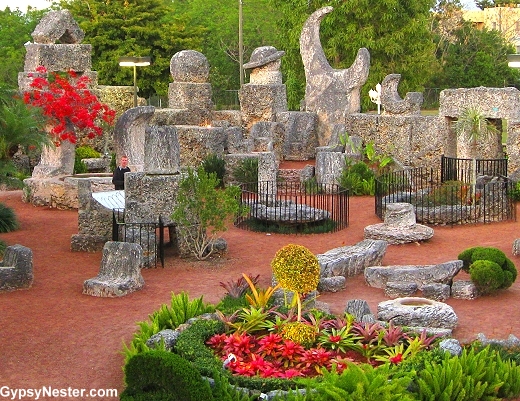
120, 271
16, 269
399, 226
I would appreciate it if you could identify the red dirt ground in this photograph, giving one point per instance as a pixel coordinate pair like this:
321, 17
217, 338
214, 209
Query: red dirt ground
52, 335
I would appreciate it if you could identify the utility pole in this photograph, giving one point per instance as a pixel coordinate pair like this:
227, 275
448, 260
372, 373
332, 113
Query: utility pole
240, 44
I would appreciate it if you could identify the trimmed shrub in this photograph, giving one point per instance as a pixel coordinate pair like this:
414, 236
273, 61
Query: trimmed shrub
162, 375
191, 345
487, 276
8, 219
488, 253
486, 273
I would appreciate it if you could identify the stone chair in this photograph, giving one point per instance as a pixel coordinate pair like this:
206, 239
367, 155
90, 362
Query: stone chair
16, 269
120, 272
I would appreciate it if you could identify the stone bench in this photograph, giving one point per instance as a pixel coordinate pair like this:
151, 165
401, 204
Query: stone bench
16, 269
120, 271
442, 273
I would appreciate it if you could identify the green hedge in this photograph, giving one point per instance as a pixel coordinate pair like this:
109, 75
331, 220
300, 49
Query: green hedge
163, 375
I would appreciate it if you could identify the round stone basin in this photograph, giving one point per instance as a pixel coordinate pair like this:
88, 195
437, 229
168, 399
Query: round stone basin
415, 301
417, 312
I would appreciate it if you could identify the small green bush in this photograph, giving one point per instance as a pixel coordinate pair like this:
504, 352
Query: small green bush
488, 253
202, 211
474, 375
358, 178
487, 276
215, 164
83, 152
246, 171
449, 193
228, 304
514, 194
157, 373
8, 219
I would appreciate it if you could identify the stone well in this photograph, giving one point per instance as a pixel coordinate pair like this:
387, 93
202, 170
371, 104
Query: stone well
417, 312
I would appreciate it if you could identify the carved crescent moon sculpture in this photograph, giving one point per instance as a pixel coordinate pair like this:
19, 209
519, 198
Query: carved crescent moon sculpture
392, 102
331, 93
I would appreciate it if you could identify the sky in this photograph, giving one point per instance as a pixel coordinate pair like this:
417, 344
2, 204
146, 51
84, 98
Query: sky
22, 4
42, 4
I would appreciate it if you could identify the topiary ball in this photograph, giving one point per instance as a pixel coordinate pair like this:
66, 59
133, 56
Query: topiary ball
488, 253
487, 276
296, 269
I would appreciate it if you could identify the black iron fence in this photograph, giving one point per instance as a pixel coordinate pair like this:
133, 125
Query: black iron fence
454, 169
151, 236
293, 207
450, 201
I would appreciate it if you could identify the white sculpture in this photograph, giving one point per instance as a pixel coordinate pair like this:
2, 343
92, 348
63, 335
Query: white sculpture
375, 97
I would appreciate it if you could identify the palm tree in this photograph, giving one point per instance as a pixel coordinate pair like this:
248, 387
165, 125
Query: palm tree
473, 126
19, 126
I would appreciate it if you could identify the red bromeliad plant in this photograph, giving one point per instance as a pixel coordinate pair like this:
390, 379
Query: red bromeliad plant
272, 356
68, 105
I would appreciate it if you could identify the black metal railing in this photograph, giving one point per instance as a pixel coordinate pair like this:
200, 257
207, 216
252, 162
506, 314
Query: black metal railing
455, 169
150, 236
293, 207
447, 202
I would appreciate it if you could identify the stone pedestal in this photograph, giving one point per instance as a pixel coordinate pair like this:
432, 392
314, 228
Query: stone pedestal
399, 226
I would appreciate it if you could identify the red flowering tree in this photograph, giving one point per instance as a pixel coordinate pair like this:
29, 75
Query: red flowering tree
68, 105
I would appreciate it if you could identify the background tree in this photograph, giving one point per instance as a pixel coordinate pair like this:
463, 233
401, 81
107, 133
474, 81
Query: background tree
220, 39
119, 28
20, 126
494, 3
395, 32
15, 30
469, 57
